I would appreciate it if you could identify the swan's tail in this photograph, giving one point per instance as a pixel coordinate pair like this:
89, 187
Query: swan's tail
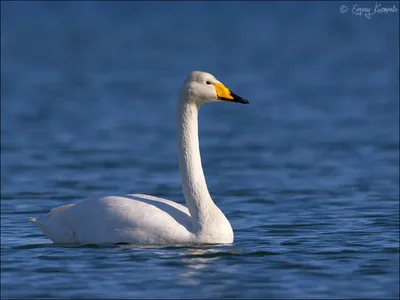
41, 225
52, 212
55, 231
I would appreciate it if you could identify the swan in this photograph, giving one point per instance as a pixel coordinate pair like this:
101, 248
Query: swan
148, 220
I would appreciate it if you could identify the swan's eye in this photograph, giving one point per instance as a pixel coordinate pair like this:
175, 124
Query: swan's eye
208, 82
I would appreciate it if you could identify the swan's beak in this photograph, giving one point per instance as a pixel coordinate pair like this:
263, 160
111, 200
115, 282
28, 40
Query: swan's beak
224, 94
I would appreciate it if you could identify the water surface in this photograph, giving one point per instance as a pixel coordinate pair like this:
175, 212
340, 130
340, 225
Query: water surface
307, 173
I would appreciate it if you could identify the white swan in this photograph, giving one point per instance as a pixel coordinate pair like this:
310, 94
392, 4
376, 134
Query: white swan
148, 220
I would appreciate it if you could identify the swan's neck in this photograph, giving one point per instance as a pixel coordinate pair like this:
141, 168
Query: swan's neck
198, 200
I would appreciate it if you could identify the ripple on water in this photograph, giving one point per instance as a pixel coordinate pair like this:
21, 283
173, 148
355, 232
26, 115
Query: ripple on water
307, 173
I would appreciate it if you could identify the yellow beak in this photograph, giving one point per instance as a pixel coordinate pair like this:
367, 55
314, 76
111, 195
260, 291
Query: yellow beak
223, 93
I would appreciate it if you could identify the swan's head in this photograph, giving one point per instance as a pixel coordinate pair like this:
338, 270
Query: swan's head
202, 87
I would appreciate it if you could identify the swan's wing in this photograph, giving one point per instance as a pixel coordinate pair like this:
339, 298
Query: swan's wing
137, 218
55, 211
174, 204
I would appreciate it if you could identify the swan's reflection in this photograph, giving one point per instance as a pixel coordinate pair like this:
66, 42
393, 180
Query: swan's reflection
195, 260
192, 262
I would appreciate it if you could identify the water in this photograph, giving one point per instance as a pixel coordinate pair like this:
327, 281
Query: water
307, 173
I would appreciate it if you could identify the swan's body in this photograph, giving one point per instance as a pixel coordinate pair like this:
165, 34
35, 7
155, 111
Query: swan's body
149, 220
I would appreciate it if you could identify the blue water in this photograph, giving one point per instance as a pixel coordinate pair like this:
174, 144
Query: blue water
307, 174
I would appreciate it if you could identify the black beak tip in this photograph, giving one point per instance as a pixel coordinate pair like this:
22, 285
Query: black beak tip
239, 99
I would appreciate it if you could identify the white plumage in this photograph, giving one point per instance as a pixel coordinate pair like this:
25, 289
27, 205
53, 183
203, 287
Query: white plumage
148, 220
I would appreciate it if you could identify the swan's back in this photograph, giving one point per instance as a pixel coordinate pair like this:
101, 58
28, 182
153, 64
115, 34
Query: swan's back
136, 219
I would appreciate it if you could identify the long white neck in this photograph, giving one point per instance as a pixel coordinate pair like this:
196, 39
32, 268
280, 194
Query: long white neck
198, 199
